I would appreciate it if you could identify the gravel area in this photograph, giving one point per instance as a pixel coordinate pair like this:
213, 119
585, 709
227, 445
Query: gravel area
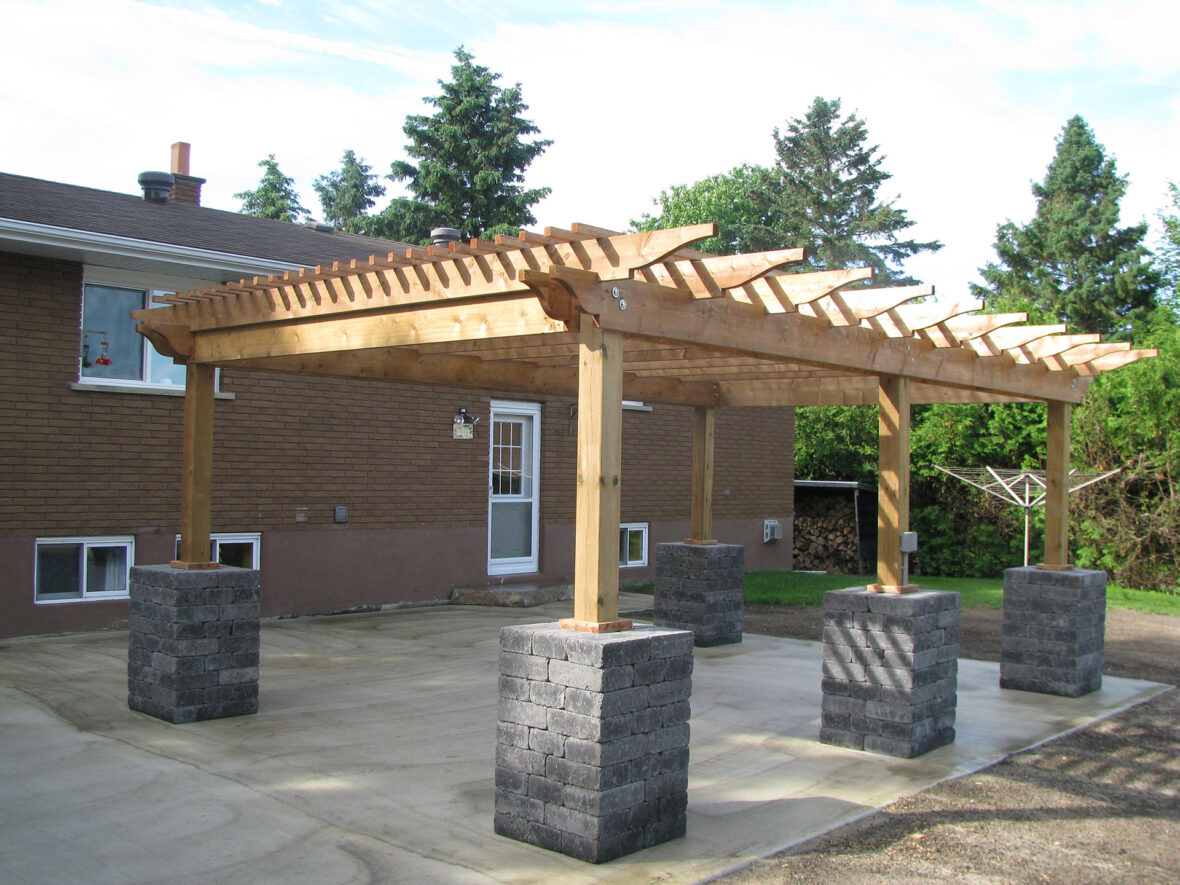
1099, 805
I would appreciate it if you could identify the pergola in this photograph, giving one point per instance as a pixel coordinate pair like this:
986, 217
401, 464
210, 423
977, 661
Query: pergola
606, 316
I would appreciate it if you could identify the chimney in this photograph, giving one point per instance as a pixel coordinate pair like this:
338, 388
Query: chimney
186, 188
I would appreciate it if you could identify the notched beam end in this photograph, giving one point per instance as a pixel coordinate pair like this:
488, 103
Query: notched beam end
169, 340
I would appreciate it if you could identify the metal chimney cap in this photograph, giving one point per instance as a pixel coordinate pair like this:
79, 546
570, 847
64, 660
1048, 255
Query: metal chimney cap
156, 186
440, 236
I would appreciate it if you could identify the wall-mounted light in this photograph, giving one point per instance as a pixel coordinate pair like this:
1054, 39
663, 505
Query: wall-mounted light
464, 425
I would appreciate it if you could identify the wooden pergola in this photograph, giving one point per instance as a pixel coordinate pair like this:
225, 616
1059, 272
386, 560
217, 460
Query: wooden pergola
606, 316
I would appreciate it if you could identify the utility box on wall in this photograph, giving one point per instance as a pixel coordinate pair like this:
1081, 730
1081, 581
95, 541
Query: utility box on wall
772, 531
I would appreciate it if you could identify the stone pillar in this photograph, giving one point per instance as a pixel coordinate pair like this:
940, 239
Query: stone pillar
592, 750
890, 672
194, 642
1054, 631
699, 588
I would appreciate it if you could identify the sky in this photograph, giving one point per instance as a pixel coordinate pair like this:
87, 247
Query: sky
965, 99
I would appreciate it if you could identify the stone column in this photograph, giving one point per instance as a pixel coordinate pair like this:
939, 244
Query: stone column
592, 749
1054, 631
890, 672
699, 588
194, 642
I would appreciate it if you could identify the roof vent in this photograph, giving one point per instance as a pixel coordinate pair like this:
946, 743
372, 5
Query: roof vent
318, 225
440, 236
156, 186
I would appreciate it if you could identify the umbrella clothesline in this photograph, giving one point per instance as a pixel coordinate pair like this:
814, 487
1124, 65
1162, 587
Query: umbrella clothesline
1024, 488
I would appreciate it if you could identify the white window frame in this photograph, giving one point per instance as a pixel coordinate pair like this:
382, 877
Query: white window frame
523, 564
217, 538
627, 528
151, 286
125, 541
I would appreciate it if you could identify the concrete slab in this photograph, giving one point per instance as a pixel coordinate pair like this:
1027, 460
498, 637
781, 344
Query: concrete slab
371, 759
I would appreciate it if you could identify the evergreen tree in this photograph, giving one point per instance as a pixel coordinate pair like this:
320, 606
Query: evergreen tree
727, 199
274, 197
471, 159
1072, 263
1169, 248
822, 195
347, 194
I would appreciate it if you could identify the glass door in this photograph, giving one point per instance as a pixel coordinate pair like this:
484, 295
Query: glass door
513, 467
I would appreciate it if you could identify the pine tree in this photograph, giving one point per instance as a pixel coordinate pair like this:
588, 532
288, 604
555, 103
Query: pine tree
471, 159
1169, 247
274, 197
1072, 263
822, 195
347, 194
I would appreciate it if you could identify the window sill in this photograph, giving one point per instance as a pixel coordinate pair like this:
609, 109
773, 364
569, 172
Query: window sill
86, 387
114, 597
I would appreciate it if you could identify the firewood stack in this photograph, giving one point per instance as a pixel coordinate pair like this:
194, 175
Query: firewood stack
825, 536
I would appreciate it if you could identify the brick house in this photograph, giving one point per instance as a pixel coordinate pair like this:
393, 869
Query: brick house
346, 494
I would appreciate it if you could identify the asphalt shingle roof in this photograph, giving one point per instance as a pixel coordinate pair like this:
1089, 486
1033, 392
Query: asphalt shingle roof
180, 224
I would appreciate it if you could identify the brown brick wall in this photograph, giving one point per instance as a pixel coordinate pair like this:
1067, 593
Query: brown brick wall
92, 463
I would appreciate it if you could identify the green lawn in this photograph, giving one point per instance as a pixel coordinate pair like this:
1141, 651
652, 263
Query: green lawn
801, 588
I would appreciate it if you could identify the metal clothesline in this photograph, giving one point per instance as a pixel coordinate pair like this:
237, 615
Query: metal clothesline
1024, 488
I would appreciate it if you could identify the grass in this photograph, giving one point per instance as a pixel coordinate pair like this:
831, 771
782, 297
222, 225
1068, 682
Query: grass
803, 588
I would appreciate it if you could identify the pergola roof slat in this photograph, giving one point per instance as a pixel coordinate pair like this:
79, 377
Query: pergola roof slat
696, 328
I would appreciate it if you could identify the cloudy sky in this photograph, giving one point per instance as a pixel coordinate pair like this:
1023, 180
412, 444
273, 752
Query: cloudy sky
964, 98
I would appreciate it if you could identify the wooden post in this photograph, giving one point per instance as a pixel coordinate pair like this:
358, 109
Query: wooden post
703, 421
197, 477
893, 495
1057, 487
600, 457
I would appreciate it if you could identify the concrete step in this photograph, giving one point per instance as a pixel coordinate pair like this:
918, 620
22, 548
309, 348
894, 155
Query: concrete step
513, 595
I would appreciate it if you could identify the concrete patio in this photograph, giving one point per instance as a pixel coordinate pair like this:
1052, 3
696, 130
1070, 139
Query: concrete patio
371, 759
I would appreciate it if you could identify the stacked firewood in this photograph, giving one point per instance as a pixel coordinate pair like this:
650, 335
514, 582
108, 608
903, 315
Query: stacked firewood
825, 537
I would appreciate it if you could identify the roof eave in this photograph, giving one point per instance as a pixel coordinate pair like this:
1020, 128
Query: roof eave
72, 243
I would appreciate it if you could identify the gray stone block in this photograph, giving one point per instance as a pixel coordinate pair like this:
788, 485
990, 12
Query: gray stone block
889, 670
193, 643
699, 588
600, 764
1053, 631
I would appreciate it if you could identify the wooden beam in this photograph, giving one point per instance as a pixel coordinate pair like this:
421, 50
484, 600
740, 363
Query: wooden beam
1111, 361
662, 313
410, 366
1057, 415
709, 277
893, 495
908, 319
197, 472
842, 390
598, 504
429, 278
703, 432
436, 322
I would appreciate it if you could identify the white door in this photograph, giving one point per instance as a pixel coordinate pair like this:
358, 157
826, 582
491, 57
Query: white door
513, 467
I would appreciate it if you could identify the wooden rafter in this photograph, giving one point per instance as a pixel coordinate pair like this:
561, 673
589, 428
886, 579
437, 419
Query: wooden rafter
697, 328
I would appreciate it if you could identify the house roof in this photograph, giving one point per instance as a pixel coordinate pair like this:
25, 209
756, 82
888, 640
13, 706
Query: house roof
34, 212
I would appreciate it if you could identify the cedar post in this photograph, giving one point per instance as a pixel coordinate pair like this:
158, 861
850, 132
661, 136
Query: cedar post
1057, 487
600, 456
197, 477
703, 422
893, 496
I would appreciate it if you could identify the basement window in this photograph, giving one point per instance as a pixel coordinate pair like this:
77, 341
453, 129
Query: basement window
237, 549
632, 544
80, 569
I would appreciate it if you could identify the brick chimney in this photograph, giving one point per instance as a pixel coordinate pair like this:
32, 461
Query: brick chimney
187, 188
